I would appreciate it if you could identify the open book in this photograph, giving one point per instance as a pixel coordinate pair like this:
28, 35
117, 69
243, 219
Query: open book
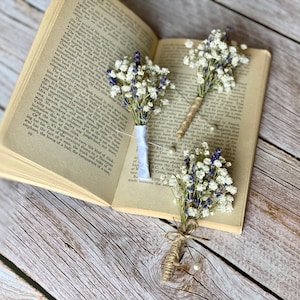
63, 132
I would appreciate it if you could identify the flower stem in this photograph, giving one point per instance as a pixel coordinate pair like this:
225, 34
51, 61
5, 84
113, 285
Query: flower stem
173, 257
178, 240
194, 108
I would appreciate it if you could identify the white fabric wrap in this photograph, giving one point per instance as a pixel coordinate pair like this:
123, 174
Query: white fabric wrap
142, 148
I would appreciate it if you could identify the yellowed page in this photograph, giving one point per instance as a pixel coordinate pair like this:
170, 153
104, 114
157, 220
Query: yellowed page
235, 118
61, 118
14, 168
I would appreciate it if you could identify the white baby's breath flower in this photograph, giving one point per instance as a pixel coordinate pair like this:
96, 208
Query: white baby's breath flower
205, 168
200, 188
220, 180
205, 213
222, 171
213, 185
124, 67
200, 78
228, 180
141, 72
163, 179
124, 88
121, 76
165, 102
172, 180
129, 76
221, 57
118, 64
192, 212
232, 50
197, 151
133, 82
185, 178
113, 74
207, 161
200, 164
186, 60
186, 152
235, 61
146, 108
152, 92
222, 198
188, 43
164, 71
231, 189
217, 163
244, 46
205, 146
115, 90
157, 110
244, 60
200, 174
229, 199
141, 91
220, 89
222, 45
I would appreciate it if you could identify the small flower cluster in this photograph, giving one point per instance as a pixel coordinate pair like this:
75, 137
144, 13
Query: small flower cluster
214, 58
141, 87
204, 185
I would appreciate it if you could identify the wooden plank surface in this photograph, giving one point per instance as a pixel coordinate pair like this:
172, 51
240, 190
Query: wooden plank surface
281, 16
282, 110
12, 287
97, 251
19, 22
72, 249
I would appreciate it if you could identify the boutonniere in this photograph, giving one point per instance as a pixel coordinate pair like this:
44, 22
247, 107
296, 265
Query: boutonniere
214, 60
202, 187
140, 85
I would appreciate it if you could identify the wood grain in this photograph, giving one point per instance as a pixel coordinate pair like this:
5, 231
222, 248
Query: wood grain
280, 121
271, 236
12, 287
96, 251
280, 16
19, 23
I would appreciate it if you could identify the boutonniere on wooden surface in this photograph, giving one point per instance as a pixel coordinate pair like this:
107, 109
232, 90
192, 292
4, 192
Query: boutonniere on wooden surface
202, 187
214, 60
140, 85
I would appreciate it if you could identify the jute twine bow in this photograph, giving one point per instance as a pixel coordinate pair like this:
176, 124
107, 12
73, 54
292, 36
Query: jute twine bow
178, 239
194, 108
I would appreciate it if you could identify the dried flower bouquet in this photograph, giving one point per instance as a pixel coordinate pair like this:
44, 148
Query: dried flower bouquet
141, 88
214, 60
202, 188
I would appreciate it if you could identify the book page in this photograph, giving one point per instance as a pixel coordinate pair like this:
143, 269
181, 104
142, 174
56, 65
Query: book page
61, 116
226, 120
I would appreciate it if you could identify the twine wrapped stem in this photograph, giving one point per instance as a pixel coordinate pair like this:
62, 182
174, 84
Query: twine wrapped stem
194, 108
178, 240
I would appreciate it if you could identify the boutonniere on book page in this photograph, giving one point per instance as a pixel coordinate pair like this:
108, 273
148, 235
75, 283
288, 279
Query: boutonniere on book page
203, 186
141, 88
214, 60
